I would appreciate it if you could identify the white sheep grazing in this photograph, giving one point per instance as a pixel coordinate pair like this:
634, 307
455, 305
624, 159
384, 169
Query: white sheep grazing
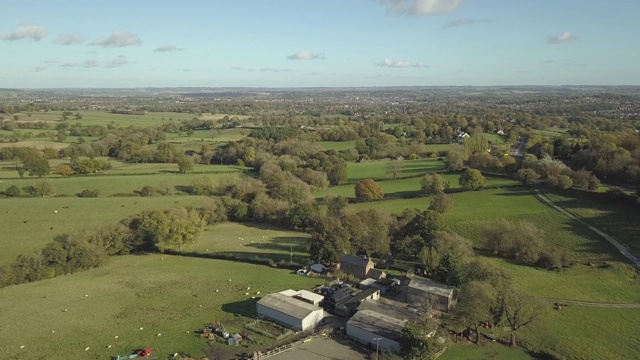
22, 347
87, 348
253, 297
246, 294
248, 287
53, 331
85, 295
108, 346
159, 334
116, 337
216, 290
257, 292
141, 328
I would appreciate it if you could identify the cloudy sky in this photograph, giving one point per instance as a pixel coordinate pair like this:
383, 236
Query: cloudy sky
309, 43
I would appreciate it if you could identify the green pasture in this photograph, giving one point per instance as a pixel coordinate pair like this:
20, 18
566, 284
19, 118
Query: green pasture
588, 333
495, 138
551, 132
616, 284
250, 240
210, 136
484, 350
438, 147
615, 218
336, 145
377, 169
406, 187
113, 185
135, 298
29, 223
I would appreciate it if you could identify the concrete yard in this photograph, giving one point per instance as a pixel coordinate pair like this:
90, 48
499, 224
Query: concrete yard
322, 349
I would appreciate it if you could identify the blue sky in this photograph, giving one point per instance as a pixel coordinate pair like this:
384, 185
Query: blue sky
318, 43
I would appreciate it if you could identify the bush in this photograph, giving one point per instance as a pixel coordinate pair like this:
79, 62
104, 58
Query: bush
550, 260
148, 190
12, 191
368, 190
86, 193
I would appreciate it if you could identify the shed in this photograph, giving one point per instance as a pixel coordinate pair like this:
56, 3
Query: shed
289, 311
356, 265
349, 306
373, 328
376, 274
440, 296
319, 268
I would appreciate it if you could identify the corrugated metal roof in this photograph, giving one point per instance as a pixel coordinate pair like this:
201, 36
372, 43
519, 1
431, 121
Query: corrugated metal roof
288, 305
377, 323
354, 260
431, 287
289, 292
306, 294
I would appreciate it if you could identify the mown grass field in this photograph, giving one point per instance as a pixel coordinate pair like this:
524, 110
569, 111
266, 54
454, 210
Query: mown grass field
29, 223
482, 351
169, 295
377, 169
406, 187
111, 185
587, 333
251, 240
336, 145
616, 218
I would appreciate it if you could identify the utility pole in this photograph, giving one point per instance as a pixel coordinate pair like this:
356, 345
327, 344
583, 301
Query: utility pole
376, 340
291, 256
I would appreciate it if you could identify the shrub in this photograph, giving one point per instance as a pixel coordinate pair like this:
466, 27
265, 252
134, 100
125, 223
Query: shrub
12, 191
87, 193
368, 190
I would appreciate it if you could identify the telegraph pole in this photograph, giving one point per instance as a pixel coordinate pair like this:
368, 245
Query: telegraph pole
376, 340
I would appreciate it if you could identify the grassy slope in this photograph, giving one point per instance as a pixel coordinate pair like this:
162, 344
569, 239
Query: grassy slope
173, 296
488, 350
19, 237
377, 169
336, 145
249, 240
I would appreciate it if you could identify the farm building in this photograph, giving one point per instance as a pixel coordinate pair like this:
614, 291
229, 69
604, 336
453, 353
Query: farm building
366, 326
384, 285
289, 311
349, 306
304, 295
441, 297
360, 267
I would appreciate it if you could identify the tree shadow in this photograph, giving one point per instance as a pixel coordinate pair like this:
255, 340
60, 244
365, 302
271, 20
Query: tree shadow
246, 308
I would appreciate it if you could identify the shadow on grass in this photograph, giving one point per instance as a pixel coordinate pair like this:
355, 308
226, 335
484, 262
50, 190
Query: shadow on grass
283, 244
245, 308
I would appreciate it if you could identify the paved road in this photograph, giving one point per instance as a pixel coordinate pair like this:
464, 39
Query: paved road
621, 247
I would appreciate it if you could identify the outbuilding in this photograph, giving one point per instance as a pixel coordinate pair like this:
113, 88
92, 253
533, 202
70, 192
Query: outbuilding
440, 296
376, 329
289, 311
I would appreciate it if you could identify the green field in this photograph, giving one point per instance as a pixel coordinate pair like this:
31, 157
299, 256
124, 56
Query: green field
407, 187
551, 132
168, 295
377, 169
587, 333
438, 147
485, 350
28, 224
336, 145
250, 240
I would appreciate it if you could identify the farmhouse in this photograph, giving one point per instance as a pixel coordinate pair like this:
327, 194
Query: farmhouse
361, 267
289, 311
441, 297
370, 327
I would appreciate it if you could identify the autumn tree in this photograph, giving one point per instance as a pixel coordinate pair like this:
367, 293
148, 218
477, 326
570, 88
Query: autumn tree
394, 167
184, 164
329, 240
520, 310
475, 302
455, 159
335, 204
472, 179
527, 176
368, 190
171, 229
434, 183
63, 170
441, 203
43, 187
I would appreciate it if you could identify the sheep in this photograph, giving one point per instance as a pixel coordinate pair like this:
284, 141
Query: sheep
159, 334
257, 292
246, 294
22, 347
65, 310
248, 287
141, 328
116, 337
108, 346
85, 295
87, 348
216, 290
253, 297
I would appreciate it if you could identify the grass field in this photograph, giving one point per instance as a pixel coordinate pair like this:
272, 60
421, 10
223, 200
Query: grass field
407, 187
172, 296
377, 169
495, 138
615, 218
438, 147
28, 224
551, 132
250, 240
110, 185
587, 333
483, 351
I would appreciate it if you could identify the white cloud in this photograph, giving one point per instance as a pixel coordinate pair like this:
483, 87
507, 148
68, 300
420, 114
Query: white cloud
271, 69
68, 39
118, 38
398, 64
421, 7
305, 55
167, 48
91, 63
563, 38
117, 61
464, 21
24, 31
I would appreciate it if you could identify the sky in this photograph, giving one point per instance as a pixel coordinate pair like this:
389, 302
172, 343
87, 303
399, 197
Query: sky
317, 43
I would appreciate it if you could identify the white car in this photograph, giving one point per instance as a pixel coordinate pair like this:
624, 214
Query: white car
302, 272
